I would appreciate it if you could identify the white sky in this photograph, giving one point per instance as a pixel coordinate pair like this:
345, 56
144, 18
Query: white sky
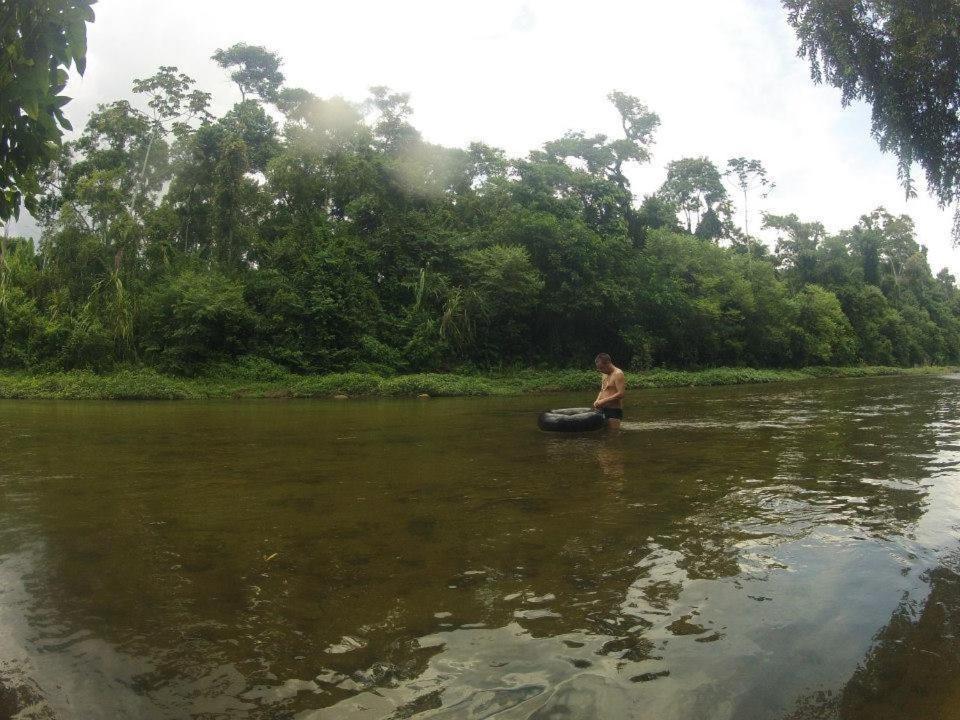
722, 74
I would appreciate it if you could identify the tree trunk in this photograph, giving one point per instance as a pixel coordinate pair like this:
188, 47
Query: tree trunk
143, 172
746, 215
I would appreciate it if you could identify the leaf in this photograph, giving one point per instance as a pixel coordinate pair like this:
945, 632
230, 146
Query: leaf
77, 41
31, 107
60, 53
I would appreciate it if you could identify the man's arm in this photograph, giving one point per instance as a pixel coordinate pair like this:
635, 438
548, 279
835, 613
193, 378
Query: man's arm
596, 403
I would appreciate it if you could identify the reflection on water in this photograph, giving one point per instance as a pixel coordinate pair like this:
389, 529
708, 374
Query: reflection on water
747, 552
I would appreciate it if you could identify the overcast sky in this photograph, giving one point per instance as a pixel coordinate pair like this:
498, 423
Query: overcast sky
722, 75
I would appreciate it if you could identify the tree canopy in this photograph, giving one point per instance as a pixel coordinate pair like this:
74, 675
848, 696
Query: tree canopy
694, 186
903, 58
316, 234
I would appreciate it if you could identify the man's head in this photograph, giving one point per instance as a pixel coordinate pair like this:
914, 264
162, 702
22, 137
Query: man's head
604, 363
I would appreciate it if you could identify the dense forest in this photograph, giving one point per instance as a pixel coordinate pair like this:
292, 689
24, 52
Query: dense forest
319, 234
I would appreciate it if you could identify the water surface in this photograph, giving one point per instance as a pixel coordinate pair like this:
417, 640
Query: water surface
779, 551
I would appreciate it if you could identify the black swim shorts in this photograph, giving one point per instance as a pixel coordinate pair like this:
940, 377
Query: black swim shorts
610, 413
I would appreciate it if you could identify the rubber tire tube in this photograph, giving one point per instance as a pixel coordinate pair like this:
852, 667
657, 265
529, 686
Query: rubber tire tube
571, 420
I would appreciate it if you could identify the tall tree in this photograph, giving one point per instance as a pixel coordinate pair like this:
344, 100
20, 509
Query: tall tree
606, 158
391, 112
173, 102
903, 58
749, 175
694, 186
797, 244
895, 239
256, 70
112, 176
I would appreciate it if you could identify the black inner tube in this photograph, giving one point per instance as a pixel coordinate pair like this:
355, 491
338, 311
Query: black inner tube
571, 420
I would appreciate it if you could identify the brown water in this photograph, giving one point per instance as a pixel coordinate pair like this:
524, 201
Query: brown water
751, 552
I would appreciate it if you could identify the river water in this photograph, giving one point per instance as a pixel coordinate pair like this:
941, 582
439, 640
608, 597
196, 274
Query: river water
783, 551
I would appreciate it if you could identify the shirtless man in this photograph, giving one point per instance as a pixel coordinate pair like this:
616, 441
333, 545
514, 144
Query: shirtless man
613, 386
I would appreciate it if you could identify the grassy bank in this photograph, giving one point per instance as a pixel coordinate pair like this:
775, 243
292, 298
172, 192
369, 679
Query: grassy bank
244, 382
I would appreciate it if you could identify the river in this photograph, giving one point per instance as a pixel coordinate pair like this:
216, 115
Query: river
783, 551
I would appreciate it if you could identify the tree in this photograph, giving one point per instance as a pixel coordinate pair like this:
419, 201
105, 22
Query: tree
693, 185
343, 239
106, 178
656, 212
823, 333
903, 58
174, 101
40, 40
710, 227
884, 243
749, 174
797, 244
639, 124
605, 158
113, 174
498, 297
392, 111
865, 242
947, 280
897, 239
257, 70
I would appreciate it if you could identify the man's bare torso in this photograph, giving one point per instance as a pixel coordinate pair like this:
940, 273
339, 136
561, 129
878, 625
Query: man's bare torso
611, 384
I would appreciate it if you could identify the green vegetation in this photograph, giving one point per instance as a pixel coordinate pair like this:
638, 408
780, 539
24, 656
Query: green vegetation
903, 58
316, 236
241, 382
40, 41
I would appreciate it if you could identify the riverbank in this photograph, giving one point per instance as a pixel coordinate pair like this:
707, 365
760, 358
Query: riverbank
240, 382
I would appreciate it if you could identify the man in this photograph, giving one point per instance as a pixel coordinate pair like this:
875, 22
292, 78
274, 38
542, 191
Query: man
613, 386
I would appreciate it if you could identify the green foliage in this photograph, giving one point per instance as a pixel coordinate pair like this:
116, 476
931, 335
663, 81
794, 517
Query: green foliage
603, 161
246, 368
797, 246
822, 335
143, 384
903, 58
493, 308
694, 187
195, 317
314, 247
39, 41
749, 174
22, 330
257, 70
349, 384
710, 227
436, 385
247, 381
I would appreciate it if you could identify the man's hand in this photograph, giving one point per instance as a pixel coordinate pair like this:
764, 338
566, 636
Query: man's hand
597, 405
